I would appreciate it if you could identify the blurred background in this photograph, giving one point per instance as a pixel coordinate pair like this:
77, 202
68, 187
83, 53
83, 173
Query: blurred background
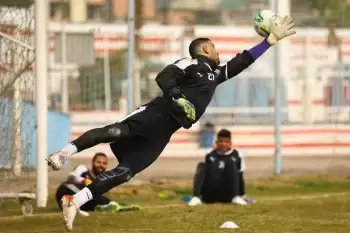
314, 95
87, 78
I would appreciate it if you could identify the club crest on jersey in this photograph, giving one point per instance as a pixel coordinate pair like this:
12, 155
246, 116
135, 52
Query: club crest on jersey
221, 165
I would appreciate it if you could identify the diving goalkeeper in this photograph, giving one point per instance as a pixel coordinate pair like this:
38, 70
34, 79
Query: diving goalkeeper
137, 140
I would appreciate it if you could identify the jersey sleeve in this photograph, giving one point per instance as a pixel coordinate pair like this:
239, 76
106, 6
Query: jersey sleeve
169, 76
207, 158
76, 175
235, 66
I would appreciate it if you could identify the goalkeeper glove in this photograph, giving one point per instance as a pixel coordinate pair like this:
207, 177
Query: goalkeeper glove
280, 29
182, 104
187, 107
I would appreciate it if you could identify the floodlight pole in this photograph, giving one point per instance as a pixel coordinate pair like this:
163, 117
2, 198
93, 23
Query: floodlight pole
131, 53
281, 56
64, 74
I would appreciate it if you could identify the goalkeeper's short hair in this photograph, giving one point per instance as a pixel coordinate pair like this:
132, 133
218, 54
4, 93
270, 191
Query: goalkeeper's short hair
195, 45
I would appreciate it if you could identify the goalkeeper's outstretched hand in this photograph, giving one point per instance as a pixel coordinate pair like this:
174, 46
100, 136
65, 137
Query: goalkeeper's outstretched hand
280, 29
187, 107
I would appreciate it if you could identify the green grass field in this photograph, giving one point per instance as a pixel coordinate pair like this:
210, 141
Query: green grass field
305, 205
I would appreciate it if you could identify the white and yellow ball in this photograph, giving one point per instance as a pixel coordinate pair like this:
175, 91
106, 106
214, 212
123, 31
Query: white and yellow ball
262, 22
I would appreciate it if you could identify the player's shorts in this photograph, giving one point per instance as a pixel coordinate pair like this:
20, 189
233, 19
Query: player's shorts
217, 193
150, 130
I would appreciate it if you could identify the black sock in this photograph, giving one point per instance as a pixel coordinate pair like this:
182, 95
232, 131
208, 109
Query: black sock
110, 179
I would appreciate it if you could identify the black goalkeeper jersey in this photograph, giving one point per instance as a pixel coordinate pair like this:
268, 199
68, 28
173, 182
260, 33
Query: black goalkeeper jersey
198, 79
216, 163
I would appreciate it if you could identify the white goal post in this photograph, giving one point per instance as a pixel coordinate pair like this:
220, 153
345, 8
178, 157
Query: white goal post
41, 45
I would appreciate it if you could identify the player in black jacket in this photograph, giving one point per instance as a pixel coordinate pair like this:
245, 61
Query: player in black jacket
220, 178
138, 139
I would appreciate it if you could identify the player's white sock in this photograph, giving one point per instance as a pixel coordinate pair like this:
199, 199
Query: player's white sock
71, 149
82, 196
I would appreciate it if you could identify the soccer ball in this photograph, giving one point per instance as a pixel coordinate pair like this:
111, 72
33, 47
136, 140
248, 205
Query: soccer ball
262, 22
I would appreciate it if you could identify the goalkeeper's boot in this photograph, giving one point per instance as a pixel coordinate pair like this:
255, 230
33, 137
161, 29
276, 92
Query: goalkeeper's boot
57, 160
70, 210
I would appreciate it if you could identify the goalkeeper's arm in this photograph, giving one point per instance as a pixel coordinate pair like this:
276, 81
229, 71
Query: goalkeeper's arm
167, 81
278, 31
168, 78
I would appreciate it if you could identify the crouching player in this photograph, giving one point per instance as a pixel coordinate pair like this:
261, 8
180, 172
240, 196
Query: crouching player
80, 177
220, 178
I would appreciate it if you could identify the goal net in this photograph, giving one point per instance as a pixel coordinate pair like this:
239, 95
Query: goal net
17, 90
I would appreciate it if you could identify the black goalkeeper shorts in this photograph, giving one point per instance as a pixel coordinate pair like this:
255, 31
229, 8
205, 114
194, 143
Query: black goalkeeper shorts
150, 131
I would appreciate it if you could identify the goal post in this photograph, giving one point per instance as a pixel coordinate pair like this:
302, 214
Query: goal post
41, 46
23, 97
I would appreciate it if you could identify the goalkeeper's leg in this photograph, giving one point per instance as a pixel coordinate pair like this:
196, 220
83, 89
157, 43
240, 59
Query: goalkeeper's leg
134, 154
107, 134
139, 157
103, 183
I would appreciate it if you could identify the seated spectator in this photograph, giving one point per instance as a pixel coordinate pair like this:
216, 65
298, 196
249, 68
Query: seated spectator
82, 176
220, 178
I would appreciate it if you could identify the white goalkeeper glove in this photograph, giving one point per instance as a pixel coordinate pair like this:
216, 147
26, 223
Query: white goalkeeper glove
280, 29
